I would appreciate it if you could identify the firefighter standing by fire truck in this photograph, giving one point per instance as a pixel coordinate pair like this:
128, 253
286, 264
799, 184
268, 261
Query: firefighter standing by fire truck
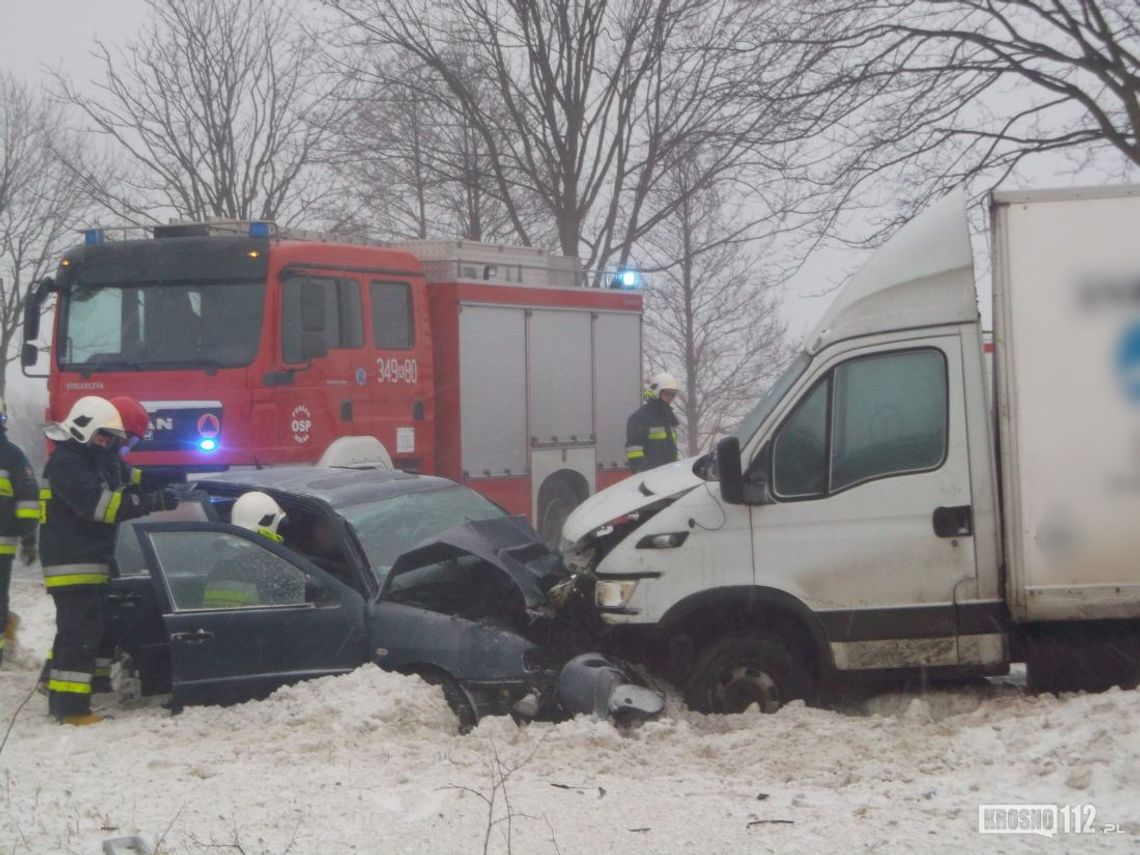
651, 432
82, 500
19, 517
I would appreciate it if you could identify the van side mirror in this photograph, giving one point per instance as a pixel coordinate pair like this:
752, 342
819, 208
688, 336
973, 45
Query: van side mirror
728, 470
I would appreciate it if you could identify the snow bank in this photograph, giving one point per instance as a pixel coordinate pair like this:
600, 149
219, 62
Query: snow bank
370, 762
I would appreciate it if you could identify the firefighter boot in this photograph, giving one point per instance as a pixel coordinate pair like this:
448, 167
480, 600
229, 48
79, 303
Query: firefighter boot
42, 684
9, 636
82, 720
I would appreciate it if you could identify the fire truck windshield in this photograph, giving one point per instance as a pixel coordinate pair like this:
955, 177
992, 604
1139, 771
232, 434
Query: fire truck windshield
161, 325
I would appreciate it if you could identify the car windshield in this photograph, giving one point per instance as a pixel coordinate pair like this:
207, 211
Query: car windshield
147, 325
392, 526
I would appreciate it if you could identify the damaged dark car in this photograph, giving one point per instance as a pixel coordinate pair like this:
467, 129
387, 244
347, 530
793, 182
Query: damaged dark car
416, 574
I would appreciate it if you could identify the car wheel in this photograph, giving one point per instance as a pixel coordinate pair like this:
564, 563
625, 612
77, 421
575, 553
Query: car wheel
556, 500
738, 671
456, 698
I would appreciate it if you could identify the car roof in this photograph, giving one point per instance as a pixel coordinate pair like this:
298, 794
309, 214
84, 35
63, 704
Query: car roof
340, 488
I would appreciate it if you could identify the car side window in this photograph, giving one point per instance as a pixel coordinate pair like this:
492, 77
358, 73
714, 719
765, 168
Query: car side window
128, 556
872, 417
221, 570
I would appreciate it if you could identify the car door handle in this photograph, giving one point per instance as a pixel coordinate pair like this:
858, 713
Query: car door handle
195, 637
954, 522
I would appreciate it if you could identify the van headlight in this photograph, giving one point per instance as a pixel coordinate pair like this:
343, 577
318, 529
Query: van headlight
614, 594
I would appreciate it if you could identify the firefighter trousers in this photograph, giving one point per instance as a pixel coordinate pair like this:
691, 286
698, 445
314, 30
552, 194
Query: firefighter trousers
5, 581
78, 633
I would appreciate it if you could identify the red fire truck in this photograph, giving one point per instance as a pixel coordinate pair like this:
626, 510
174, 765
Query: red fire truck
491, 365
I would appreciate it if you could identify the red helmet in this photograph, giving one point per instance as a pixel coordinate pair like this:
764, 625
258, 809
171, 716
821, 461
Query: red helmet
136, 420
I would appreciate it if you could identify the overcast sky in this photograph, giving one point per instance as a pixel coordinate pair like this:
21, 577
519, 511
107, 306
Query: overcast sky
61, 33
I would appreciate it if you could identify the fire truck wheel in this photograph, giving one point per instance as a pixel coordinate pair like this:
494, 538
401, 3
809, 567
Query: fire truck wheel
555, 502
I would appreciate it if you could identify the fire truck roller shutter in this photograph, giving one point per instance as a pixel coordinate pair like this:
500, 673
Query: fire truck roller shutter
561, 377
492, 383
617, 382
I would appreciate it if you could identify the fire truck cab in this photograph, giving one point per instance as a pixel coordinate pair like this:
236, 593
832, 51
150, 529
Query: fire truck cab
492, 365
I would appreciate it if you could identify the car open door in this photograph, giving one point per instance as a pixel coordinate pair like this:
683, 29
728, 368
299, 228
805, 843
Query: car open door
243, 615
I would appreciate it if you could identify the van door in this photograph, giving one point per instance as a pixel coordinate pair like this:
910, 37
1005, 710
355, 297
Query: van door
870, 523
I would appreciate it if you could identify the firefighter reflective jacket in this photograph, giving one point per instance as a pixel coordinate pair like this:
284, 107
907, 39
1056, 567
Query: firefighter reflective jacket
87, 490
19, 498
651, 436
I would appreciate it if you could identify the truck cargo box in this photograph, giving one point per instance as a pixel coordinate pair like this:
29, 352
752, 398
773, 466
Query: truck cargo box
1067, 347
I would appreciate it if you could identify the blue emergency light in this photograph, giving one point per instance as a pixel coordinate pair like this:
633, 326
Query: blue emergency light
207, 445
94, 236
627, 279
260, 229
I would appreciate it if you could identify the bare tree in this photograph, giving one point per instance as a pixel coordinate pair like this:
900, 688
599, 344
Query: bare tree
712, 310
217, 107
39, 203
928, 94
410, 164
583, 105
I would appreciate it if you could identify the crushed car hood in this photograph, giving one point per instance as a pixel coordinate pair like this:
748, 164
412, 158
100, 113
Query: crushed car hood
509, 543
625, 497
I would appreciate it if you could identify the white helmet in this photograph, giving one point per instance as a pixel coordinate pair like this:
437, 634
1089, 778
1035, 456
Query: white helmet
663, 382
258, 512
89, 415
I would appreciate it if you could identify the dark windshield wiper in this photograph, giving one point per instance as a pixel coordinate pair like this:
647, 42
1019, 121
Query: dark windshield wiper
211, 365
86, 369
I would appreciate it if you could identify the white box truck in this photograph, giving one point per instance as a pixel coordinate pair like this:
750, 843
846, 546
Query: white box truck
877, 514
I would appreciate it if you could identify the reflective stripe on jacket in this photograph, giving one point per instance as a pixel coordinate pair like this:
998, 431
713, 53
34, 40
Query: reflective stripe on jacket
19, 506
84, 495
651, 436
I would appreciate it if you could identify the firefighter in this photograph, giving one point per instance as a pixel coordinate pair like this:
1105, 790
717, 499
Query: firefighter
136, 423
19, 517
82, 500
651, 432
232, 583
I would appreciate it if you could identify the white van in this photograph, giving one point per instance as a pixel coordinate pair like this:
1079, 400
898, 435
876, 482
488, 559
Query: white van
869, 518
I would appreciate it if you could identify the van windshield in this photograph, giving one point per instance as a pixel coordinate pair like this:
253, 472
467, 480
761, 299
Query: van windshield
775, 393
161, 324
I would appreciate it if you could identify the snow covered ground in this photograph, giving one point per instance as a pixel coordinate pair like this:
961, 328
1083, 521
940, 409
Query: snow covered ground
370, 762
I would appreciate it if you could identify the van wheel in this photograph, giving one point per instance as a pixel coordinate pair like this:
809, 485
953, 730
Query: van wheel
738, 671
555, 502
